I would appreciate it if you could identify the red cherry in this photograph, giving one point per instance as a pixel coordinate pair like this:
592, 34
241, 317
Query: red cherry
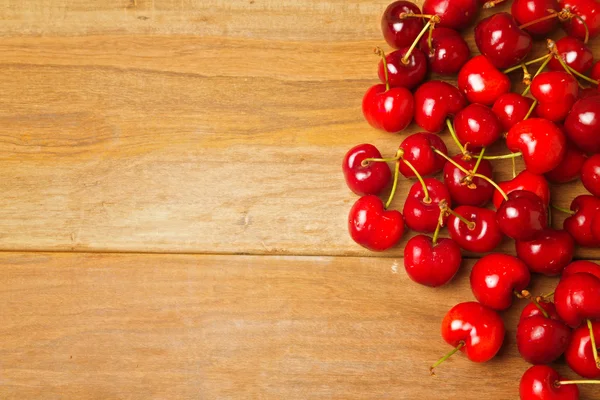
431, 264
540, 382
556, 92
579, 225
579, 354
434, 102
389, 110
401, 32
449, 51
570, 166
481, 82
595, 74
418, 150
587, 10
480, 235
590, 175
541, 142
526, 11
577, 298
583, 123
371, 178
477, 125
541, 339
372, 226
499, 38
596, 227
454, 14
575, 54
463, 191
511, 108
582, 266
496, 277
548, 253
522, 216
421, 215
404, 74
525, 180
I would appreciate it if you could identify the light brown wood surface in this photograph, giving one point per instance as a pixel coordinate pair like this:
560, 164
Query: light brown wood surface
206, 127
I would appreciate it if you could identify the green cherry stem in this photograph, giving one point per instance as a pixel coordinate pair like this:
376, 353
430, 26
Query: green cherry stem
535, 102
494, 184
582, 76
367, 161
381, 54
535, 61
447, 210
553, 15
430, 38
539, 71
502, 157
593, 340
432, 20
451, 161
479, 160
539, 307
426, 199
454, 137
514, 168
461, 344
562, 209
395, 185
437, 231
579, 382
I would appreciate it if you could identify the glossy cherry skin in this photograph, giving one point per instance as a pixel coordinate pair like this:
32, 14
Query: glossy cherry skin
449, 51
526, 11
542, 143
580, 266
495, 278
499, 38
595, 74
419, 215
400, 32
579, 225
418, 151
407, 75
511, 108
569, 168
476, 192
454, 14
575, 54
583, 123
579, 354
365, 179
479, 327
434, 102
481, 82
556, 92
590, 175
389, 110
478, 126
431, 265
577, 298
522, 216
548, 253
525, 180
540, 383
541, 340
588, 10
596, 227
373, 227
485, 235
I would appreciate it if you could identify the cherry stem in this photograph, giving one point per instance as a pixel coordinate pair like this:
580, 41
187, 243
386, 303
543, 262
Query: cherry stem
394, 186
593, 340
445, 209
502, 157
514, 168
545, 296
430, 39
494, 184
454, 137
542, 19
479, 160
535, 102
426, 199
539, 71
461, 344
492, 3
366, 161
414, 44
437, 230
413, 15
582, 382
451, 161
516, 67
539, 307
526, 75
585, 26
381, 54
582, 76
562, 209
523, 294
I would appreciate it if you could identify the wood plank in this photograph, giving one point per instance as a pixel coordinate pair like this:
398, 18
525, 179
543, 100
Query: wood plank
89, 326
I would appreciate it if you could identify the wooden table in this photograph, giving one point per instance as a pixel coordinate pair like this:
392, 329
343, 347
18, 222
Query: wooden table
173, 219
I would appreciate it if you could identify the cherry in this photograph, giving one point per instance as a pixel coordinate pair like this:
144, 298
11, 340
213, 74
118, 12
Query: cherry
511, 108
583, 123
499, 38
372, 226
434, 102
421, 210
590, 175
586, 10
400, 32
453, 14
570, 166
579, 224
525, 180
474, 229
580, 355
588, 92
548, 253
418, 150
468, 191
477, 125
449, 51
526, 11
595, 74
404, 72
541, 382
582, 266
431, 264
367, 178
575, 53
556, 92
577, 297
481, 82
522, 216
541, 336
541, 142
390, 110
596, 227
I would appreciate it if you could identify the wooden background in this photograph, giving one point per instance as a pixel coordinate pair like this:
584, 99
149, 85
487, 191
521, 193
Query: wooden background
173, 213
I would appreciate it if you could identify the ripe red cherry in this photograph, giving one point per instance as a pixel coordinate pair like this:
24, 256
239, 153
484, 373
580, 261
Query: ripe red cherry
499, 38
579, 225
373, 227
371, 178
481, 235
541, 339
477, 125
434, 102
590, 175
466, 191
570, 166
449, 51
540, 382
496, 277
511, 108
588, 10
454, 14
431, 264
579, 354
542, 144
548, 253
596, 227
526, 11
481, 82
418, 150
577, 298
582, 266
583, 123
595, 74
525, 180
401, 32
389, 110
401, 74
421, 215
575, 54
556, 92
522, 216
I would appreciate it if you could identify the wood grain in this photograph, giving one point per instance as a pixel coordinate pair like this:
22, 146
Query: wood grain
82, 326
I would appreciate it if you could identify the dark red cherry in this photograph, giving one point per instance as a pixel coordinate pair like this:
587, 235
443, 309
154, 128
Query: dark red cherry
480, 235
434, 102
525, 180
389, 110
478, 126
590, 175
583, 124
401, 32
556, 92
418, 150
526, 11
586, 10
511, 108
577, 298
404, 74
373, 227
575, 53
579, 355
431, 264
449, 51
570, 166
548, 253
454, 14
579, 225
467, 191
522, 216
595, 74
481, 82
368, 178
421, 215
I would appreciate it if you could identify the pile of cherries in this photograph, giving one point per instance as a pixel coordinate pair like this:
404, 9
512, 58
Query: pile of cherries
553, 125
